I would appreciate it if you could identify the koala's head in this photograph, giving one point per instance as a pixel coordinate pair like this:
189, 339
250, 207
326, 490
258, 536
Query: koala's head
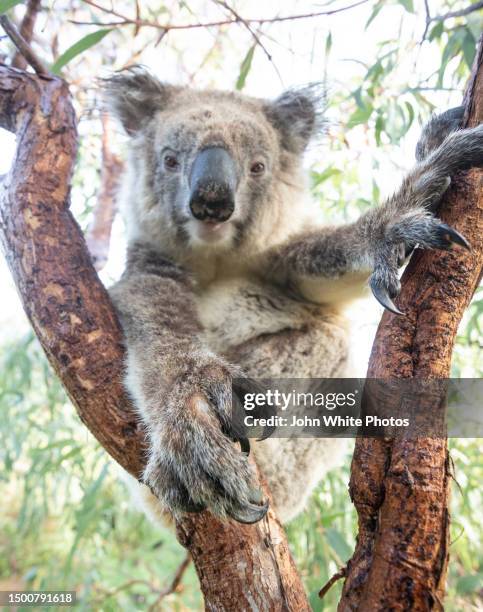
210, 168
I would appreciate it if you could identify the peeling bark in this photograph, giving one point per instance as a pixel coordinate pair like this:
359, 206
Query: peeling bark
239, 566
400, 488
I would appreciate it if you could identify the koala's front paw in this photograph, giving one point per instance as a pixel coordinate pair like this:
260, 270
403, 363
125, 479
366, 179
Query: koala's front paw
194, 464
419, 228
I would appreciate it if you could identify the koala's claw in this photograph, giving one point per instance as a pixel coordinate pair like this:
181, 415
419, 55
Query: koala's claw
248, 513
449, 236
244, 445
424, 231
382, 296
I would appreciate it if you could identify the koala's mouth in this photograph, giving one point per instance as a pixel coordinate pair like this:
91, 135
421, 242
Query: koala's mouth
210, 231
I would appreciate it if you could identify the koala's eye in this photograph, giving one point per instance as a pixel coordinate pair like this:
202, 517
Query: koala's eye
170, 162
257, 168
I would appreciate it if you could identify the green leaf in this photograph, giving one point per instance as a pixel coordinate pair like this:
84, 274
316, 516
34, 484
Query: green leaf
79, 47
328, 43
6, 5
358, 97
469, 584
361, 115
320, 177
408, 5
375, 71
380, 127
375, 12
436, 32
338, 543
469, 48
410, 110
453, 47
245, 68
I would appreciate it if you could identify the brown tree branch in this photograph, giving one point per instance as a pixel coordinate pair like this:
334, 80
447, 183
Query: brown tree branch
249, 28
472, 8
124, 20
26, 31
98, 235
23, 46
461, 13
239, 566
401, 487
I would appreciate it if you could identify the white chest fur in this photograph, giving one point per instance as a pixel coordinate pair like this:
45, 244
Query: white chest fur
233, 311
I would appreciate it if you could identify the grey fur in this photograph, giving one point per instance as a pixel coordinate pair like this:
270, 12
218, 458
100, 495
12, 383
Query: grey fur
262, 294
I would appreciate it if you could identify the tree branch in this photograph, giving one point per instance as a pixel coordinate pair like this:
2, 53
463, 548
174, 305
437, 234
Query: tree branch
239, 566
400, 561
123, 20
23, 46
98, 235
26, 31
461, 13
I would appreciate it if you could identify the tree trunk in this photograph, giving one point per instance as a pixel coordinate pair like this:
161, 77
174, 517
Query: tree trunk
239, 566
401, 487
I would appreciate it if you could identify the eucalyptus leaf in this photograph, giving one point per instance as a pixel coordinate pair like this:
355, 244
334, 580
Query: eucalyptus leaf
338, 543
6, 5
436, 32
408, 5
245, 68
375, 12
360, 115
79, 47
469, 48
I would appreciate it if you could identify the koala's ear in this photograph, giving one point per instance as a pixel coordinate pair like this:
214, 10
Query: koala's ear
133, 95
298, 114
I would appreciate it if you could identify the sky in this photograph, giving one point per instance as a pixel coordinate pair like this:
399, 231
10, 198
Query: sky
296, 60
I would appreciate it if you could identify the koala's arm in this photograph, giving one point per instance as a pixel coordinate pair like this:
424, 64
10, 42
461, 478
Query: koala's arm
182, 392
332, 264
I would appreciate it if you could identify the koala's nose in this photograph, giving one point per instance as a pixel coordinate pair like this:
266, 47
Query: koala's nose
213, 183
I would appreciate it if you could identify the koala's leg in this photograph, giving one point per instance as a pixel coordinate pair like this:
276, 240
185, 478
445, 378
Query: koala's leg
294, 466
375, 245
182, 392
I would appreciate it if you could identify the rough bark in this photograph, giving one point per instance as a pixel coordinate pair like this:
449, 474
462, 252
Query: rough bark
240, 567
98, 236
400, 488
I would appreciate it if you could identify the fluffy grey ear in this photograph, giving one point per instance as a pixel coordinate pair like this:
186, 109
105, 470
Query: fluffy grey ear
133, 95
298, 114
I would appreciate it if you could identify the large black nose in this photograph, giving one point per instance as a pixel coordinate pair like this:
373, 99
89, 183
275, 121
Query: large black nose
213, 183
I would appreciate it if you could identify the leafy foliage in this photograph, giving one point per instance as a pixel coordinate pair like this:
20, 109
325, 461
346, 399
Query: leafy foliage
6, 5
86, 42
68, 524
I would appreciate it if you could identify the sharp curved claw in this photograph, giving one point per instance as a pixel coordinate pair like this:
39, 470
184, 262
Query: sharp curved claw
382, 296
244, 445
267, 432
248, 513
450, 235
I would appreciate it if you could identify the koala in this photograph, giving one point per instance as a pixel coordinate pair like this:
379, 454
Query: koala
232, 271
